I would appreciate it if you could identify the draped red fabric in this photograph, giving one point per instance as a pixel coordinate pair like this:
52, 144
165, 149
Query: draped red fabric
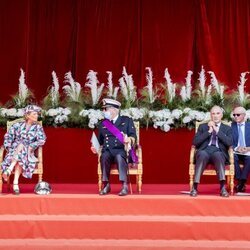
168, 33
223, 38
108, 38
104, 35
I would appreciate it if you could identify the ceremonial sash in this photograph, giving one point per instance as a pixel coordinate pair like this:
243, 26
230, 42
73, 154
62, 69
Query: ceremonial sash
118, 134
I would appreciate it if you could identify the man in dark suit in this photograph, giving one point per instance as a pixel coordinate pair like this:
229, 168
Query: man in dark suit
115, 133
212, 142
241, 146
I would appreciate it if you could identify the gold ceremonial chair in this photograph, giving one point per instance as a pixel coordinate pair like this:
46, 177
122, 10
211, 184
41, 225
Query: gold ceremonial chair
210, 170
133, 168
39, 152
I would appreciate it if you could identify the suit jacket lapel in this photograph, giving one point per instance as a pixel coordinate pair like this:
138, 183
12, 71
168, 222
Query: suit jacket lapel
247, 133
222, 127
235, 134
118, 121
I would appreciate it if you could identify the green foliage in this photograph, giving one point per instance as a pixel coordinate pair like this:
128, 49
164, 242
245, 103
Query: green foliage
162, 101
19, 102
47, 102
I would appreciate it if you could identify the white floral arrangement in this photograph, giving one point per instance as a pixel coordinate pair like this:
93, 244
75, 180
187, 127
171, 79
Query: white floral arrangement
215, 84
92, 83
182, 113
112, 92
171, 87
12, 112
60, 115
149, 87
243, 96
54, 91
205, 92
73, 89
127, 87
94, 116
186, 90
21, 99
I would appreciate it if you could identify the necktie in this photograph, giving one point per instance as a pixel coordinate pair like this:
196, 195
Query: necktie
241, 139
213, 138
213, 142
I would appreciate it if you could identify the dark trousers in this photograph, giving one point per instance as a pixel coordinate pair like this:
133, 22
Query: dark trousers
107, 159
212, 155
241, 174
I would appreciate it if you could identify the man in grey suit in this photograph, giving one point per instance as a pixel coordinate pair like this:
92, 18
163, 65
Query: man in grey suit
115, 132
241, 146
212, 142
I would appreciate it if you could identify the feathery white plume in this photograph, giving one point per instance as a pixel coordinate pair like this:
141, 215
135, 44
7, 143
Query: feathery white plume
241, 87
127, 86
73, 90
23, 89
149, 87
92, 83
208, 94
187, 89
124, 88
111, 91
54, 91
202, 82
214, 82
188, 84
183, 94
222, 88
170, 85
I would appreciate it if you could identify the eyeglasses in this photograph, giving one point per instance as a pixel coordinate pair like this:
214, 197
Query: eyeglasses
236, 115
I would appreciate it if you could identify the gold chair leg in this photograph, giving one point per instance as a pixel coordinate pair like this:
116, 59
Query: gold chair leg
191, 181
231, 184
99, 182
1, 184
139, 183
40, 177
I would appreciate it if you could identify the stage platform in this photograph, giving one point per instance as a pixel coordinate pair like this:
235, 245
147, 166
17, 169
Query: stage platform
74, 216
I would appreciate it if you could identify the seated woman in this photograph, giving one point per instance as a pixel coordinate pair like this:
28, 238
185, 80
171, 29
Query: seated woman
21, 140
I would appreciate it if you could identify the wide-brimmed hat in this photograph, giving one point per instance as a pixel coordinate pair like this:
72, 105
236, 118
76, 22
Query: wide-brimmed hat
106, 102
32, 108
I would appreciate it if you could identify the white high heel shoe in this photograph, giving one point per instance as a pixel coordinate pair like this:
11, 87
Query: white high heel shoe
16, 189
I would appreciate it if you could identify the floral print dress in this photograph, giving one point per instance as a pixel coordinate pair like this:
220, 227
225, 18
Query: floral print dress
31, 138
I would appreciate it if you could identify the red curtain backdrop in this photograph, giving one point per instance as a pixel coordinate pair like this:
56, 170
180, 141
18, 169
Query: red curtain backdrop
104, 35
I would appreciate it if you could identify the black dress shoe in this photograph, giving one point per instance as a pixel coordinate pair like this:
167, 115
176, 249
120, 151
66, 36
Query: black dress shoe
124, 190
240, 188
106, 189
224, 193
194, 192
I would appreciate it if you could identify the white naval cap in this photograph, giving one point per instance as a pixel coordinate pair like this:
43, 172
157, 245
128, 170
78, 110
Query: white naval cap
106, 102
